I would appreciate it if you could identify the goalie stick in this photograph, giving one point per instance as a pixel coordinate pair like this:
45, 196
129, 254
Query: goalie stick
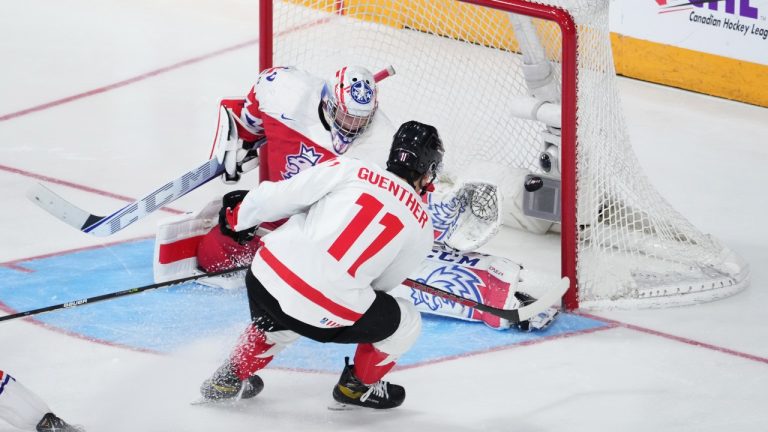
103, 226
513, 315
553, 295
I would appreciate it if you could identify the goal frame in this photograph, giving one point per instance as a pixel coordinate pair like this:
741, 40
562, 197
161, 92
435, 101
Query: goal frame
569, 70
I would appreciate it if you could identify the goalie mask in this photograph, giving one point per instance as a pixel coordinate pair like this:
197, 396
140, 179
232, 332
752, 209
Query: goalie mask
349, 103
416, 150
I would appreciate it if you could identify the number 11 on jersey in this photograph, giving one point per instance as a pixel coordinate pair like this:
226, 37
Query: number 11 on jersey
369, 209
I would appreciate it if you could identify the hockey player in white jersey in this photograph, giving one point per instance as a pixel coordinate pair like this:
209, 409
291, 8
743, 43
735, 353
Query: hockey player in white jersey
355, 231
26, 411
305, 120
301, 120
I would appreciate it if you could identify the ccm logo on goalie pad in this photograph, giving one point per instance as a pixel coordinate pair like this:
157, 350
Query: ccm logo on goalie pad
453, 257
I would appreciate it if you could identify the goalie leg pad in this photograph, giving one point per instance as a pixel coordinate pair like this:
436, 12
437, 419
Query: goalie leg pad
192, 243
177, 241
483, 278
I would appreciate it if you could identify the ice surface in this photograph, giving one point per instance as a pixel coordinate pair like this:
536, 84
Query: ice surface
705, 155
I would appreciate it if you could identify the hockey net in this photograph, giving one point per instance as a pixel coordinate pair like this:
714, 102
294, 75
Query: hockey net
461, 66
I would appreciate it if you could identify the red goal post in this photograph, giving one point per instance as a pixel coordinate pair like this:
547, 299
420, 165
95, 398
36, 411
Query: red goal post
568, 151
513, 85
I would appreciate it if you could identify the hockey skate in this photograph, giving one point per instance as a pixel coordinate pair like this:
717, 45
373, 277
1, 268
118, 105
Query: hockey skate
379, 395
226, 386
51, 423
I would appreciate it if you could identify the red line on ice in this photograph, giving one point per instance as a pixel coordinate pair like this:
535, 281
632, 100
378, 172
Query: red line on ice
78, 186
151, 74
126, 82
536, 341
9, 310
681, 339
14, 264
31, 320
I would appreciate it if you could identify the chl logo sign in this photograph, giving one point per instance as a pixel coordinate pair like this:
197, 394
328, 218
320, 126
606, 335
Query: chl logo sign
745, 9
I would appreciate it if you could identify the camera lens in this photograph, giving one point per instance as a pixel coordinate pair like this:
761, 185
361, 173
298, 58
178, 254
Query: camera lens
545, 162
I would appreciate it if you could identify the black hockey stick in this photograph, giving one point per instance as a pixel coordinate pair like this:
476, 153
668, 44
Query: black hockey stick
89, 300
552, 296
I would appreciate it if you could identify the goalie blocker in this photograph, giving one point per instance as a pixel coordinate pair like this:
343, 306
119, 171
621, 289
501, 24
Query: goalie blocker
180, 247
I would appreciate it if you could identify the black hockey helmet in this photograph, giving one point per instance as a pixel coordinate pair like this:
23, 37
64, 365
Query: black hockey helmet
416, 150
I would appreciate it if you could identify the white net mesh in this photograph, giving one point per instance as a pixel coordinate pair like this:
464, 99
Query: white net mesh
459, 65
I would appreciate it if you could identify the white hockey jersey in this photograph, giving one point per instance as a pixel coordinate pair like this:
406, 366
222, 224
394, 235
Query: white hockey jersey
283, 106
354, 228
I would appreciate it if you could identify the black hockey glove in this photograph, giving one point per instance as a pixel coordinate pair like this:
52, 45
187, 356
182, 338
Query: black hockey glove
228, 203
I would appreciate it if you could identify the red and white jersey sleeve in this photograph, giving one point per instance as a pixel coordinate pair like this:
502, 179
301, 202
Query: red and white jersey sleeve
284, 106
284, 98
354, 228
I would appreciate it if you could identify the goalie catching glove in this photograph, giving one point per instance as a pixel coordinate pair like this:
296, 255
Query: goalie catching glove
465, 214
230, 205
